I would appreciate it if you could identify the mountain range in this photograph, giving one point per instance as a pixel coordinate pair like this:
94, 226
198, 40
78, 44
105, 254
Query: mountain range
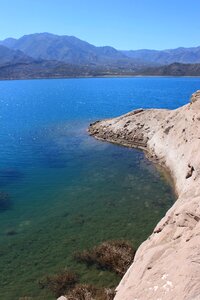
166, 57
48, 55
68, 49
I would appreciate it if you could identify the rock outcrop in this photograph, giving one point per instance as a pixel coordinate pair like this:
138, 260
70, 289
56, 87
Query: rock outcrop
167, 264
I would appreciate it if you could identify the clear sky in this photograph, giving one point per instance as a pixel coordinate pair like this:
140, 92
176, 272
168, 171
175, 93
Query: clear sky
123, 24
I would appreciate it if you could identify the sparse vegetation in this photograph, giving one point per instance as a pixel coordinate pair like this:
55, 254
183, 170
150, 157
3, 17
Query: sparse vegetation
82, 292
89, 292
59, 284
66, 283
115, 256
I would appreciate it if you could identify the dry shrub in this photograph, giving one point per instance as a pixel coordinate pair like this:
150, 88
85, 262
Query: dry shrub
82, 292
59, 283
115, 256
89, 292
65, 283
109, 294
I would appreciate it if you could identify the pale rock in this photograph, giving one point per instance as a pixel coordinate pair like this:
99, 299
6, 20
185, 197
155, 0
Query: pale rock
167, 264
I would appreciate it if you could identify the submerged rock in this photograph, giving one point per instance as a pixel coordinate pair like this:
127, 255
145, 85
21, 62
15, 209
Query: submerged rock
5, 202
11, 232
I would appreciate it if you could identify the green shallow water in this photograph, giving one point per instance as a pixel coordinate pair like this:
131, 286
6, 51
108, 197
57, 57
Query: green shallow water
111, 193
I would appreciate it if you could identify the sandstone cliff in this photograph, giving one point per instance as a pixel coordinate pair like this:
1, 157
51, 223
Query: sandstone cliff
167, 265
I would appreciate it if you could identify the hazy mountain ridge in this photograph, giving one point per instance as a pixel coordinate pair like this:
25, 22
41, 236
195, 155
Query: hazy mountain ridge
165, 57
9, 56
45, 55
68, 49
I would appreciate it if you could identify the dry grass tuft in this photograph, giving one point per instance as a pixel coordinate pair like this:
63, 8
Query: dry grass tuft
89, 292
59, 284
115, 256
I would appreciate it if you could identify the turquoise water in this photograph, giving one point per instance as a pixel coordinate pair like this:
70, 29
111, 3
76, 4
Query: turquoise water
67, 190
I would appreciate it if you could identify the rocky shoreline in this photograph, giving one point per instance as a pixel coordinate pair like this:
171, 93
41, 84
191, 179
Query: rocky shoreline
167, 264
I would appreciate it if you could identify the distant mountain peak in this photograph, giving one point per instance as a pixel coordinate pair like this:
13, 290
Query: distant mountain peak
68, 49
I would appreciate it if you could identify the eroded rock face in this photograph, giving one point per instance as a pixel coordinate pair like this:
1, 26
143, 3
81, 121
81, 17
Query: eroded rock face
167, 265
195, 97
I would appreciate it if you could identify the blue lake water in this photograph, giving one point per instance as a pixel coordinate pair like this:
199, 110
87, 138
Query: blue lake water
67, 190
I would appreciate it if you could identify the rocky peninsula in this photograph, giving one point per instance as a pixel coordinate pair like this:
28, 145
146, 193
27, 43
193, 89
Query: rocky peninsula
167, 264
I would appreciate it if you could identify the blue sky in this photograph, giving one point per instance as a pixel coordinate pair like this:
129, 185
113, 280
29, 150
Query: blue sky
123, 24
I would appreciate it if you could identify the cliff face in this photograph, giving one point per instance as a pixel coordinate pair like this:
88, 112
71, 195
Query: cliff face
167, 265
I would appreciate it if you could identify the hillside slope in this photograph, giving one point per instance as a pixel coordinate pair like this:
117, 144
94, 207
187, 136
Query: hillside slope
11, 57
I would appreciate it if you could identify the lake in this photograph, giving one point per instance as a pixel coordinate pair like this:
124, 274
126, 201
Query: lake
66, 191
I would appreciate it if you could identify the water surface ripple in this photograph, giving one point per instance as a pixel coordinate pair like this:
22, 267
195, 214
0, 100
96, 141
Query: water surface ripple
66, 190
